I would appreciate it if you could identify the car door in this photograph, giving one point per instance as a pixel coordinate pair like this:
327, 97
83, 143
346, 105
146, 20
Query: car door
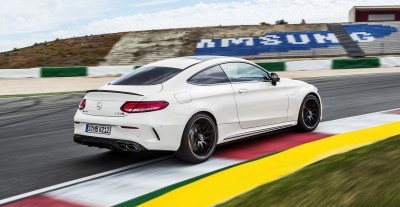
214, 92
258, 102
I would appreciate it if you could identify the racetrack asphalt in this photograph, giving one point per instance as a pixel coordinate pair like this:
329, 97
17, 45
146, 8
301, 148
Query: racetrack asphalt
37, 149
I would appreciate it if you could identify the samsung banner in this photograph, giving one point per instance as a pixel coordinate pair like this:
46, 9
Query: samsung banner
287, 41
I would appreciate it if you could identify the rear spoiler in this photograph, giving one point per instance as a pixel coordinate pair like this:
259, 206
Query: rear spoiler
109, 91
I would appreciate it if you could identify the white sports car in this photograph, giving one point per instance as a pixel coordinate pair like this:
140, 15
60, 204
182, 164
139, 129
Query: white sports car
191, 104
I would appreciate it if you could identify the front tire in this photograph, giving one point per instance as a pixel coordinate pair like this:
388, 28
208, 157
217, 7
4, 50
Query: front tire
309, 114
199, 139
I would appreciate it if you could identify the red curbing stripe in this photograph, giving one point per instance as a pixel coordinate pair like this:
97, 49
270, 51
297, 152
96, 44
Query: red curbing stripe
43, 201
267, 145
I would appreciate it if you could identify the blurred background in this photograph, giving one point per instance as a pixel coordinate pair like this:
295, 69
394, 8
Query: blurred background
52, 51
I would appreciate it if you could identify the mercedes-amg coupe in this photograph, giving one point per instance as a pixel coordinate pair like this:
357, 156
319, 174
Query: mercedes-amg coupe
191, 104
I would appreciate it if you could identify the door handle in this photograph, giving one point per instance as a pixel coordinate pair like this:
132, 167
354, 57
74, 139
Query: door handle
242, 91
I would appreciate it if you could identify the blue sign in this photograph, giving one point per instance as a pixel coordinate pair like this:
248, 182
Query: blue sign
287, 41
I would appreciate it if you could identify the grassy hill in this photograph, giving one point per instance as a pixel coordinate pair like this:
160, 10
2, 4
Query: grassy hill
88, 51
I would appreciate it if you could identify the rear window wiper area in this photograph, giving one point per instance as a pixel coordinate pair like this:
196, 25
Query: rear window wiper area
110, 91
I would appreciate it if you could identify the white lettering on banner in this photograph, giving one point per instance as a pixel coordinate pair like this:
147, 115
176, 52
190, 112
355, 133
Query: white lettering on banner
362, 37
247, 40
209, 43
321, 38
304, 39
270, 40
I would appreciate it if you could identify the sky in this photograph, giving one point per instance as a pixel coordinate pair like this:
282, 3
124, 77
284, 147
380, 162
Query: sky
25, 22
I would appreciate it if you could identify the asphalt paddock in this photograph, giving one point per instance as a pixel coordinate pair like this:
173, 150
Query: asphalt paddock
37, 149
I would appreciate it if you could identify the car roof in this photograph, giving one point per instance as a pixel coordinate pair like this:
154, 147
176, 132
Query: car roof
187, 61
202, 57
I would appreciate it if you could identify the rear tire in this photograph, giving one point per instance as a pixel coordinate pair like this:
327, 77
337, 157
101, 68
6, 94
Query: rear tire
309, 114
199, 139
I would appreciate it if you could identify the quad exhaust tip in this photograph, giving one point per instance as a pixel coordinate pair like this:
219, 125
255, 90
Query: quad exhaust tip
128, 147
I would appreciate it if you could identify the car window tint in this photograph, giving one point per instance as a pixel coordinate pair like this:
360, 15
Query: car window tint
147, 76
240, 72
212, 75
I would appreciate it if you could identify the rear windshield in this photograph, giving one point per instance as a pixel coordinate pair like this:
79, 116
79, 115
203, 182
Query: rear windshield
147, 76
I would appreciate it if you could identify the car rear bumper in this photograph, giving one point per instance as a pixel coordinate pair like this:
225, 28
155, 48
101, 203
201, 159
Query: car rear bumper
112, 144
160, 130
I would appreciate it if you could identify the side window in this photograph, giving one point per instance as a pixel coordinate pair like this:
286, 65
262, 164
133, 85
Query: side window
212, 75
241, 72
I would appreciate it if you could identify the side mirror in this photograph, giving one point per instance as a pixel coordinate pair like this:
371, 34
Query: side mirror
275, 78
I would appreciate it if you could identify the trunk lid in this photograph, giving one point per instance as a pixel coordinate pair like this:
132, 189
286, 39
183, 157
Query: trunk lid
107, 100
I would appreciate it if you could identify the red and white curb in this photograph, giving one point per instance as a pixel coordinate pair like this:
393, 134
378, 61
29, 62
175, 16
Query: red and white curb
113, 187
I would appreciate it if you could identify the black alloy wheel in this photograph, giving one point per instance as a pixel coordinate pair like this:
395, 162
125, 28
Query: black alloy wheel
199, 139
309, 114
201, 136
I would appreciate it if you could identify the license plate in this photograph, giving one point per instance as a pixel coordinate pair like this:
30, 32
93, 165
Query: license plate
98, 129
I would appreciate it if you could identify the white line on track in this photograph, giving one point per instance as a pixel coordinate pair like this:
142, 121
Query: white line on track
81, 180
377, 112
38, 95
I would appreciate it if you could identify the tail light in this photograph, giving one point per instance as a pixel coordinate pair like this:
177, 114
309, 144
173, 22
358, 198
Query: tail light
82, 105
143, 106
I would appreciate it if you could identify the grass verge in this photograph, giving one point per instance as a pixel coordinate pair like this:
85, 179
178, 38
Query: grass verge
40, 94
367, 176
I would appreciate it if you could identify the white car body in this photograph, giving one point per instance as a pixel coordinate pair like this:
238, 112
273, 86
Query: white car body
239, 109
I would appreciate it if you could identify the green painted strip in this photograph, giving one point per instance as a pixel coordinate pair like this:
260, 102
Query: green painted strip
273, 66
144, 198
356, 63
46, 72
